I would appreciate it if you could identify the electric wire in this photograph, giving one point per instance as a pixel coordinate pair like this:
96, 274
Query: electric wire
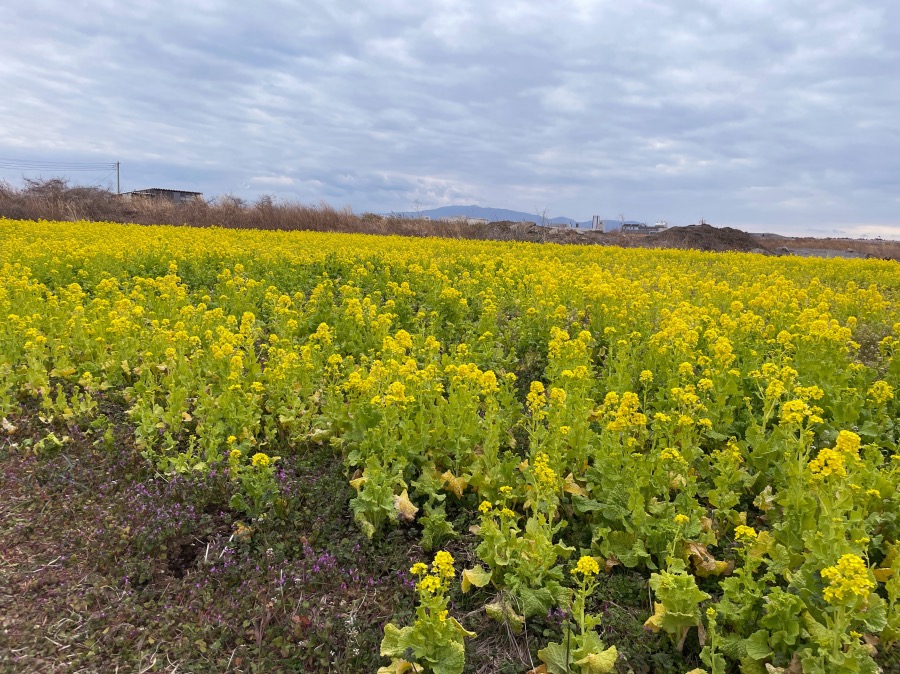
32, 165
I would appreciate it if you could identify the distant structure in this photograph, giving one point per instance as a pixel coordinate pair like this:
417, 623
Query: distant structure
600, 225
626, 226
643, 228
464, 220
175, 196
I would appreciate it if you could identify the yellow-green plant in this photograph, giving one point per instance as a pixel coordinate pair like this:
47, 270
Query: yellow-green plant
581, 651
434, 642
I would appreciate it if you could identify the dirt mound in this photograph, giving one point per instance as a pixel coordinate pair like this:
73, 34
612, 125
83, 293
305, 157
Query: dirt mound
707, 237
506, 230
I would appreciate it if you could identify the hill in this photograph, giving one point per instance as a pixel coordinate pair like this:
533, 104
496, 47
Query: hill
489, 214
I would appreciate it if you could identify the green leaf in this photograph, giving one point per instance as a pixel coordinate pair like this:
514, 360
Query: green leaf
535, 602
475, 577
817, 631
557, 658
585, 644
757, 645
875, 615
461, 631
782, 609
585, 505
396, 640
435, 528
503, 612
367, 527
237, 503
448, 659
681, 597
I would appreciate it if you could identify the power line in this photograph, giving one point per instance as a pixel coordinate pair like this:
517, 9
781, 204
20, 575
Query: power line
31, 165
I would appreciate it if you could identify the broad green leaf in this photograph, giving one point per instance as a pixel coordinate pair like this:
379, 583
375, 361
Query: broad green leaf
475, 577
557, 658
449, 659
396, 640
757, 645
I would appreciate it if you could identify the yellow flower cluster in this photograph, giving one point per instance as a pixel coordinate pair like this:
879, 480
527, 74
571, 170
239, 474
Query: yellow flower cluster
847, 578
796, 411
536, 399
430, 584
443, 565
744, 533
622, 412
848, 443
587, 566
672, 455
542, 471
834, 461
828, 462
441, 573
260, 460
881, 392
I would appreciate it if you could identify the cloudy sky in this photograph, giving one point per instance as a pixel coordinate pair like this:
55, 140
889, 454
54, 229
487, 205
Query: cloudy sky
771, 115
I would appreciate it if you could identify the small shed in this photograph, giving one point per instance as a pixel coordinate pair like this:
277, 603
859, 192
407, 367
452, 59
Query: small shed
175, 196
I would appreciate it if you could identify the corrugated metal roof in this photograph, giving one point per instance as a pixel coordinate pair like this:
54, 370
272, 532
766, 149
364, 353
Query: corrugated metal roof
162, 189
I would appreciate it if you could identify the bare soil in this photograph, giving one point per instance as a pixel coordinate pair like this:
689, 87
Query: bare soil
707, 237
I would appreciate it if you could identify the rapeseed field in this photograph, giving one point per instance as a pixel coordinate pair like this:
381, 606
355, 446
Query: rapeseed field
538, 418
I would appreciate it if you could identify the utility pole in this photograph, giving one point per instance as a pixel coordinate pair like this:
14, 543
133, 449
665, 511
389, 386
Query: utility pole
118, 183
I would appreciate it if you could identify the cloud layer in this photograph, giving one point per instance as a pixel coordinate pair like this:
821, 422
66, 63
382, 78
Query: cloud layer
766, 114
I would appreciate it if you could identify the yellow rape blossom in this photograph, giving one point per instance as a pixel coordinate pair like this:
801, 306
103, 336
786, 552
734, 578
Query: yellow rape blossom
881, 392
744, 533
260, 460
848, 442
443, 564
587, 566
430, 584
848, 578
542, 471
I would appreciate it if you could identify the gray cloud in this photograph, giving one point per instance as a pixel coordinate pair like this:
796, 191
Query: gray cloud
772, 114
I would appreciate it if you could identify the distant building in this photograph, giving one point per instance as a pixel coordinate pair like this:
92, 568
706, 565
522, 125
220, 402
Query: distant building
175, 196
600, 225
628, 226
464, 220
643, 227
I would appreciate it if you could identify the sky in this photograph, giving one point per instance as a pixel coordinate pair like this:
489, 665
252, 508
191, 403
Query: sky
767, 115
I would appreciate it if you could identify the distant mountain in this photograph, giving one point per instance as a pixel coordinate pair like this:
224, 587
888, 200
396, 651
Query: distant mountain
489, 214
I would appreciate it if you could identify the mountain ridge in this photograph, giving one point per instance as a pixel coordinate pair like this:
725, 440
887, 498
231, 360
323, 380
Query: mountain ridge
489, 214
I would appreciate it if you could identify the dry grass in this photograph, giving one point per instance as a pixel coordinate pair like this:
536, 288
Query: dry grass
55, 199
